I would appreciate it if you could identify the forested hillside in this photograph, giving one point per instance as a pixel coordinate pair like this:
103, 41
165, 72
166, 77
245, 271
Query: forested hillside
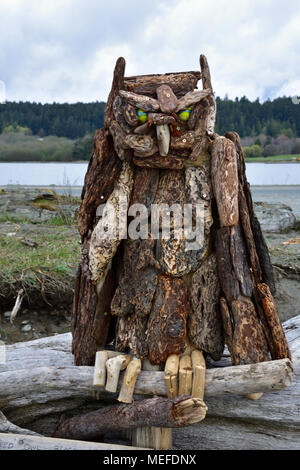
271, 118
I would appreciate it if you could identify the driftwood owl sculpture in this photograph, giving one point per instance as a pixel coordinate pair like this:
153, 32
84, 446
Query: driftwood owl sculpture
161, 298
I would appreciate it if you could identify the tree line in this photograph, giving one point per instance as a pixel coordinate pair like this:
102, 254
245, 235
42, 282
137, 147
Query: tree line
248, 118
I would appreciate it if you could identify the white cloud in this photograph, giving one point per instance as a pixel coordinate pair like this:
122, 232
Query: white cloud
66, 51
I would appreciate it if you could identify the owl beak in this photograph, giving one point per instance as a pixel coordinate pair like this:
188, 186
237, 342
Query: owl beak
163, 139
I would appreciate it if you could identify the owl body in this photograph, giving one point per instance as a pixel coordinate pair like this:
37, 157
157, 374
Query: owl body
186, 270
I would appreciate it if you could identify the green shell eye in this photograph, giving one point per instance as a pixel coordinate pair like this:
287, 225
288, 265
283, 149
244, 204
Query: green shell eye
184, 115
142, 115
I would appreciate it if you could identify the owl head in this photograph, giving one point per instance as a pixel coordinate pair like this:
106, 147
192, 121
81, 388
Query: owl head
160, 120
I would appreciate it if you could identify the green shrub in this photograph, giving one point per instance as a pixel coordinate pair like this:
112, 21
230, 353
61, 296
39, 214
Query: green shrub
253, 152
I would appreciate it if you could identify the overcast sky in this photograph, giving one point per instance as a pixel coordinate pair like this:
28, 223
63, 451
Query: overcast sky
65, 50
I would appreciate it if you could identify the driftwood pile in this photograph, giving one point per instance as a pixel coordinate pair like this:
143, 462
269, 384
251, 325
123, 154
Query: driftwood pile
39, 379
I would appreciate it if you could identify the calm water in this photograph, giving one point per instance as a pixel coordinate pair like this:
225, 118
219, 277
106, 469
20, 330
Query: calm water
72, 174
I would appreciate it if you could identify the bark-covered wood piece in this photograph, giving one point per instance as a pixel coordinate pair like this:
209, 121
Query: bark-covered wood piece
158, 411
166, 98
186, 141
271, 313
181, 83
117, 84
260, 243
264, 256
84, 309
234, 273
134, 294
131, 335
102, 318
171, 162
139, 143
130, 115
104, 167
211, 106
158, 119
140, 101
225, 181
119, 115
118, 135
167, 322
227, 326
248, 234
191, 98
249, 344
145, 186
111, 229
205, 329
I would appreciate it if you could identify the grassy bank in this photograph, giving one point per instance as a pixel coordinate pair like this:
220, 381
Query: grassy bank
40, 259
274, 159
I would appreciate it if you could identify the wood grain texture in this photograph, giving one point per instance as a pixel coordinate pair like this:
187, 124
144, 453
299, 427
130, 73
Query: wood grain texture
181, 83
191, 98
158, 411
104, 167
118, 135
140, 101
166, 98
171, 162
117, 84
131, 335
271, 313
167, 322
225, 181
234, 273
205, 330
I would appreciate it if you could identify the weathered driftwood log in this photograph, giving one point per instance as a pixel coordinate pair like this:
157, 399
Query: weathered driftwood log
160, 412
139, 143
117, 84
225, 181
181, 82
211, 109
8, 427
34, 442
130, 115
163, 139
140, 101
24, 396
70, 386
119, 115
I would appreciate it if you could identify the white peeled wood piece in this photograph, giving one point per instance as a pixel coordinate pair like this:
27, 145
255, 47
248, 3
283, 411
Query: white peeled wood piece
113, 367
153, 438
185, 375
132, 371
100, 368
199, 372
17, 305
111, 229
163, 139
171, 375
25, 442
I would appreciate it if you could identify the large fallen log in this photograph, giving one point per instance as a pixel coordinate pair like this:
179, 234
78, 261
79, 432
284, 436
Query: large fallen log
160, 412
25, 442
29, 393
236, 423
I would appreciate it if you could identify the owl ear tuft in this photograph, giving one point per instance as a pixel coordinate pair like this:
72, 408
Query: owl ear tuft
205, 72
